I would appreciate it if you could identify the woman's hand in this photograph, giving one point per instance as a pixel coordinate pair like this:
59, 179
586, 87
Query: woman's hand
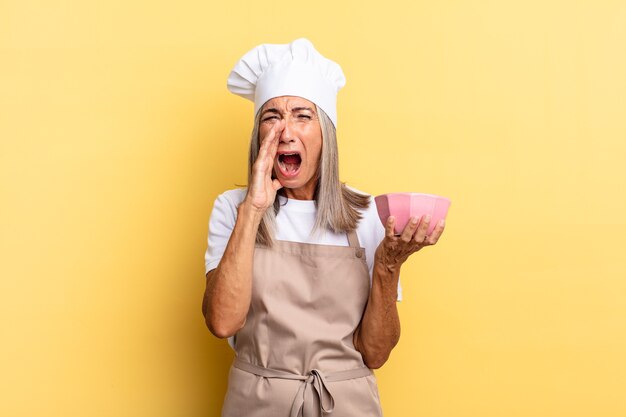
262, 189
379, 330
394, 250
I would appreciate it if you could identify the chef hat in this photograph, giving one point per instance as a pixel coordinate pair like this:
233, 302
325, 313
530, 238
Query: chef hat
294, 69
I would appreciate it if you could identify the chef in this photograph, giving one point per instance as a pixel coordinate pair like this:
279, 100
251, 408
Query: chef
302, 277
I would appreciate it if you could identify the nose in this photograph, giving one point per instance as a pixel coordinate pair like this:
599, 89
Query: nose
288, 133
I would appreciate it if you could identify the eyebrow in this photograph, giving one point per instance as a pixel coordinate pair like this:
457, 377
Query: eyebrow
275, 110
302, 108
270, 110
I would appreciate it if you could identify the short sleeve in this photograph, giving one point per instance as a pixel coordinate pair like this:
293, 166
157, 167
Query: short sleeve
221, 225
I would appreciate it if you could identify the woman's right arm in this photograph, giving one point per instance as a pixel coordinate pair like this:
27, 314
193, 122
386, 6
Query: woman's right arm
228, 287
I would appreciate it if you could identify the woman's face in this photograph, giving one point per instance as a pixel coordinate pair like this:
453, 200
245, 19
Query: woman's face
300, 143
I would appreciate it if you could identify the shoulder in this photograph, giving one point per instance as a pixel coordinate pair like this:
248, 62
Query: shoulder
370, 229
232, 197
225, 205
369, 214
229, 200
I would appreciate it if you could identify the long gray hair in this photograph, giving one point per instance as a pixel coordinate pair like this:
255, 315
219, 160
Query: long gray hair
337, 205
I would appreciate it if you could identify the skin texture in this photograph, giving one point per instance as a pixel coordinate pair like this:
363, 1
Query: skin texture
290, 124
299, 131
379, 331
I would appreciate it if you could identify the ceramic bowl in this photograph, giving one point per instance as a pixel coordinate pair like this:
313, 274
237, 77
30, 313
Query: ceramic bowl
403, 206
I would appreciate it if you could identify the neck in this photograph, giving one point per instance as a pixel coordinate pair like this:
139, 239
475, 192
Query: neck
307, 192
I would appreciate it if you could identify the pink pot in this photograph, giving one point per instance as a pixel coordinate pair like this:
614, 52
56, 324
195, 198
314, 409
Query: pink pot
403, 206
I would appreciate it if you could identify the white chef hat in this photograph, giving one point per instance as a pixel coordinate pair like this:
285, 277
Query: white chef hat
294, 69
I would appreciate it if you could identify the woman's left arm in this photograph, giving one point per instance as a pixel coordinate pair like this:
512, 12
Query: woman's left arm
379, 330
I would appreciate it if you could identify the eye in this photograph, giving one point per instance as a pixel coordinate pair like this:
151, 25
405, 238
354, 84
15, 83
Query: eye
304, 117
268, 118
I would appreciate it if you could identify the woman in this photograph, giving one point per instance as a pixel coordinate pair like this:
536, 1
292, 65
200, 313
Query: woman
301, 276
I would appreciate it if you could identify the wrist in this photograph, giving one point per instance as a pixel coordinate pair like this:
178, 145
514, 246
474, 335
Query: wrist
385, 281
383, 264
248, 211
386, 268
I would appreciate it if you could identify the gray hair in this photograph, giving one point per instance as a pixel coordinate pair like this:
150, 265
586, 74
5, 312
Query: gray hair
337, 205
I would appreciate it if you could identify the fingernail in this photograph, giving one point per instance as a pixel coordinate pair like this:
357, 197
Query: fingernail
413, 220
427, 218
442, 222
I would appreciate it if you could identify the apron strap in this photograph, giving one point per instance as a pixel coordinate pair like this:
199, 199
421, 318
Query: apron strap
313, 398
353, 239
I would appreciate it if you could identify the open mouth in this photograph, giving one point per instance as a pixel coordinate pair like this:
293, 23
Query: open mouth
289, 163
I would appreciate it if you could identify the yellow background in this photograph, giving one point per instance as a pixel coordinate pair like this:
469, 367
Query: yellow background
117, 133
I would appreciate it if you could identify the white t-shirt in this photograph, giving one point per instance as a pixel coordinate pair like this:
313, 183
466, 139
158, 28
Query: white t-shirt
294, 223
